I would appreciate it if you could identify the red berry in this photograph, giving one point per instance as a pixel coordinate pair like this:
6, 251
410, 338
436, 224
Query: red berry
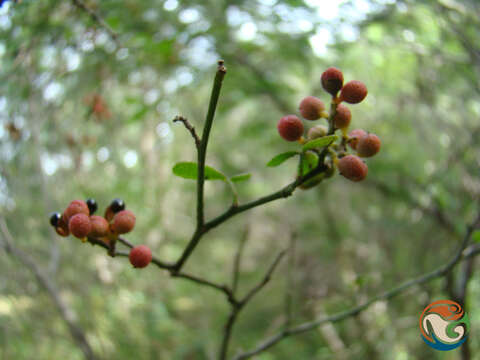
352, 167
316, 132
355, 136
311, 108
140, 256
353, 92
332, 80
123, 222
290, 127
75, 207
80, 225
342, 117
368, 145
99, 226
62, 227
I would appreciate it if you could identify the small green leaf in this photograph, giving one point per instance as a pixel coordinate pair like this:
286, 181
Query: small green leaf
240, 177
280, 158
309, 162
189, 170
476, 236
320, 142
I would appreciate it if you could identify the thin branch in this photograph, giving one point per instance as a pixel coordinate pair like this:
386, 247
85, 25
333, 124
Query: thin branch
202, 153
239, 305
227, 333
439, 272
238, 259
224, 288
264, 281
220, 287
465, 277
461, 296
98, 19
125, 242
289, 291
190, 128
285, 192
65, 312
471, 251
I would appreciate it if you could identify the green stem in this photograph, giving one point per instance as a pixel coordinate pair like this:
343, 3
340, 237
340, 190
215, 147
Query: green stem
234, 191
202, 154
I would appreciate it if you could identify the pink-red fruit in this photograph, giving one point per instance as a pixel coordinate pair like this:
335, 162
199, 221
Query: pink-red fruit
316, 132
311, 108
290, 127
80, 225
75, 207
140, 256
352, 167
355, 136
62, 228
99, 226
332, 80
342, 117
368, 145
353, 92
123, 222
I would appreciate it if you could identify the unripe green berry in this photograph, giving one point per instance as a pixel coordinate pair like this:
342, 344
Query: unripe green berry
332, 80
353, 92
75, 207
353, 168
317, 131
140, 256
312, 108
368, 145
99, 226
123, 222
80, 225
290, 127
342, 117
355, 136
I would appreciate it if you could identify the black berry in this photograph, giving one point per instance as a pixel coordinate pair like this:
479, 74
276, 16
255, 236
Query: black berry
92, 205
55, 218
117, 205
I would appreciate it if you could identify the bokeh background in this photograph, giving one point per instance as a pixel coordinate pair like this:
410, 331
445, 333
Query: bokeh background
88, 113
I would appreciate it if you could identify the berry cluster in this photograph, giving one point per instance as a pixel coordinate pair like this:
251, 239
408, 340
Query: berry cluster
364, 144
79, 220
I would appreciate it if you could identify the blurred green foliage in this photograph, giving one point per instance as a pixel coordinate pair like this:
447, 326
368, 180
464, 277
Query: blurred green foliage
421, 63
